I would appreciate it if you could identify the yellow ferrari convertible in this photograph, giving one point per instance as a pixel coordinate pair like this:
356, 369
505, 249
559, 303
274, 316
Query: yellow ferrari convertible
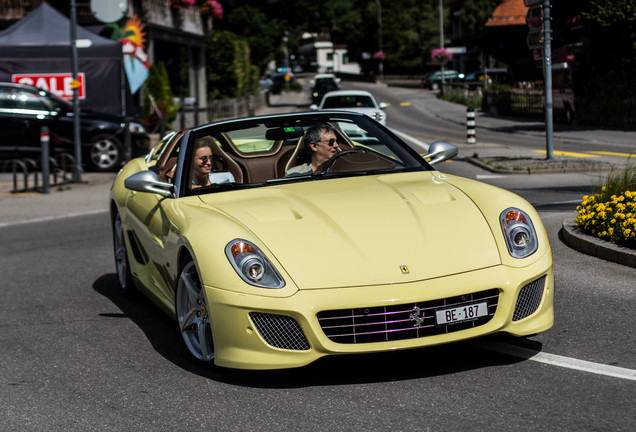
274, 241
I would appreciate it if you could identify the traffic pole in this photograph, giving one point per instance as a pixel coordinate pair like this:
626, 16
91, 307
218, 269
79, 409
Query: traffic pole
547, 72
44, 142
470, 125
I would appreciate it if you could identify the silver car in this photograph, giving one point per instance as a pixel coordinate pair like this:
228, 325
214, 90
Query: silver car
353, 100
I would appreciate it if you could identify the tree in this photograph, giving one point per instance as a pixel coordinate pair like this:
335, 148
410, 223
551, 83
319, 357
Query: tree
604, 79
410, 32
476, 12
230, 72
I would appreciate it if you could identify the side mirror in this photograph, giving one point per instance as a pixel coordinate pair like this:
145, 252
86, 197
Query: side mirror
440, 151
383, 105
148, 181
313, 107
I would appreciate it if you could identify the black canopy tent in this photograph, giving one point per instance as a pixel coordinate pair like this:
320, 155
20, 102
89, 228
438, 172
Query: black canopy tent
40, 44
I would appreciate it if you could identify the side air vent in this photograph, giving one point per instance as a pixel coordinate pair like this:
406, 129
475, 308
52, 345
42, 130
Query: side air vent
280, 331
529, 299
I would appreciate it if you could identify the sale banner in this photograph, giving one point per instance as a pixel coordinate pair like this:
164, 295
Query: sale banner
60, 84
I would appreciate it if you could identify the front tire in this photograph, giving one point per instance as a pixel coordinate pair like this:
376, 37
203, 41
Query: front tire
193, 314
106, 153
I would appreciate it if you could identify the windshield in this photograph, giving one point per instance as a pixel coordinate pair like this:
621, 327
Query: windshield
292, 148
348, 101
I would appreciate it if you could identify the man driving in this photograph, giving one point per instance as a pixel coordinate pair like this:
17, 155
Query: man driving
321, 143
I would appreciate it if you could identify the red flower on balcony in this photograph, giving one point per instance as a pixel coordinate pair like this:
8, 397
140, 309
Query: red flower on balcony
379, 55
213, 8
441, 55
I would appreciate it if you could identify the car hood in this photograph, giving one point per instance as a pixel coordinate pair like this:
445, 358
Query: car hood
367, 111
364, 230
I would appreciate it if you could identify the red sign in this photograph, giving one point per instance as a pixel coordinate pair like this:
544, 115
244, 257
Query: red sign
60, 84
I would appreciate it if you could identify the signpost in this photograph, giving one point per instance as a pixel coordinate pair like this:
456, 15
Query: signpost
539, 41
76, 112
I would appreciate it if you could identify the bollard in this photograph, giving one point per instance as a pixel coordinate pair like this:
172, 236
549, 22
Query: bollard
470, 125
44, 142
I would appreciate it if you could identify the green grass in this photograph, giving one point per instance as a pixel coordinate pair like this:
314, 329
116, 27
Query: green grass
618, 181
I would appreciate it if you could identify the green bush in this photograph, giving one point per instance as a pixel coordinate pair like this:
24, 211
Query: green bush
157, 89
473, 102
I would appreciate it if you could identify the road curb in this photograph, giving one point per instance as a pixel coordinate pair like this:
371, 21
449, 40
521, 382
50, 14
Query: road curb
564, 168
596, 247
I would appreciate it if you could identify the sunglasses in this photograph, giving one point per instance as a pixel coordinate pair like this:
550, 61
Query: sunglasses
205, 159
330, 143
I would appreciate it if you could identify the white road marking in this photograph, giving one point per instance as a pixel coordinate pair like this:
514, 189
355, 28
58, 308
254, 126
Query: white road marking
488, 176
51, 218
557, 360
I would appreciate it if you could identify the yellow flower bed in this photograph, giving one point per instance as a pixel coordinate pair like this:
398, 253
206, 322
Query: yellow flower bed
613, 220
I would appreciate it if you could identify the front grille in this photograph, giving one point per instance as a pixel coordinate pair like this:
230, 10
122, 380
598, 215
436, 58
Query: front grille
280, 331
395, 322
529, 299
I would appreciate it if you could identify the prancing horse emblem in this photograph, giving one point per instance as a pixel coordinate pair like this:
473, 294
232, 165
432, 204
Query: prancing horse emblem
417, 316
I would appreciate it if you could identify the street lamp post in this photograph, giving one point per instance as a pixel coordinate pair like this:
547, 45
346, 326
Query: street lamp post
380, 69
77, 177
441, 39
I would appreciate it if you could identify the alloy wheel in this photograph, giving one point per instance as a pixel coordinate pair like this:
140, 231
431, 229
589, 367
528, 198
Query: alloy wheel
104, 154
124, 276
193, 314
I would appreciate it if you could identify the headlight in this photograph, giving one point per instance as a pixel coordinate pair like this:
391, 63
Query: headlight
519, 233
252, 265
135, 127
378, 116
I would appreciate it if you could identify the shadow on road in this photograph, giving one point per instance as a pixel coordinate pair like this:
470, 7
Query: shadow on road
163, 334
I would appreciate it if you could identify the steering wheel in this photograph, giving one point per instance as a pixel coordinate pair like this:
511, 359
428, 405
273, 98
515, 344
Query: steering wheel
327, 165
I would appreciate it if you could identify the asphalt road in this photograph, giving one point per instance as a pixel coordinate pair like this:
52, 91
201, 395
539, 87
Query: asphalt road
77, 356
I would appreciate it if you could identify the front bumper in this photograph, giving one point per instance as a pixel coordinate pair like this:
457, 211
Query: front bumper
241, 342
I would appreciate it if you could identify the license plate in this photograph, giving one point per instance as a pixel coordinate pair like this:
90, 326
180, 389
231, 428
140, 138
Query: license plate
462, 313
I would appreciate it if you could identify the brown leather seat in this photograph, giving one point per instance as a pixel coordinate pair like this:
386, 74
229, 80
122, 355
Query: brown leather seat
223, 161
298, 156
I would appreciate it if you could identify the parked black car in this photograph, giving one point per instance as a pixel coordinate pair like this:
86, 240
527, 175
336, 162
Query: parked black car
25, 109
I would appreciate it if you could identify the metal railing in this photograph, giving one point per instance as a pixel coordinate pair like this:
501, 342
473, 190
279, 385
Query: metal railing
38, 175
30, 175
190, 115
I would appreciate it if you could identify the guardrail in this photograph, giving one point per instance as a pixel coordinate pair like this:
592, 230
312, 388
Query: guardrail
518, 102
